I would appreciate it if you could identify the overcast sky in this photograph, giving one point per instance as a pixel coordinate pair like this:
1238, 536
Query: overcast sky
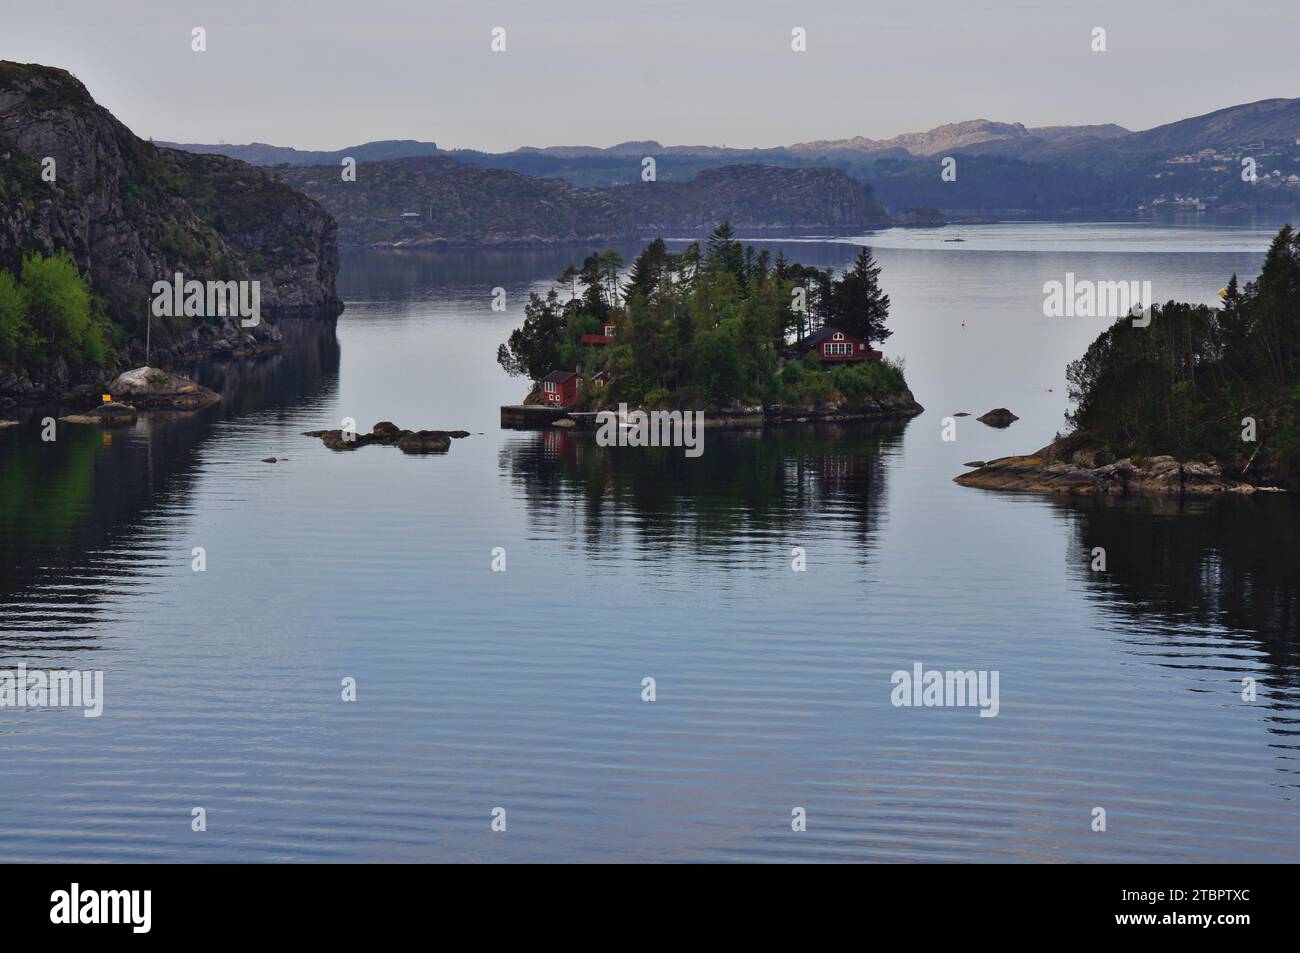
325, 74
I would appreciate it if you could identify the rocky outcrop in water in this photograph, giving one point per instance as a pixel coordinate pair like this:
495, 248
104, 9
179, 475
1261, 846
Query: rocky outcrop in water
111, 414
999, 417
387, 433
1046, 472
149, 388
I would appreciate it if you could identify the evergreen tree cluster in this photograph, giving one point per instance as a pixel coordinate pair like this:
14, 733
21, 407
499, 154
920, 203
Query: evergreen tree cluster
1185, 384
710, 323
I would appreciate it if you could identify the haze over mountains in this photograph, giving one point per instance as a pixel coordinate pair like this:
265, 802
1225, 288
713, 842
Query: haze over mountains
1265, 120
1004, 170
978, 134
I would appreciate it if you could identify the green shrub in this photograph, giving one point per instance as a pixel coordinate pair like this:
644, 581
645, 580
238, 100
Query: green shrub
49, 313
851, 380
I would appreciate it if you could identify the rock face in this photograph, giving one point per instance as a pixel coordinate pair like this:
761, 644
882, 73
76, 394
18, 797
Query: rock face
999, 417
131, 214
388, 433
430, 200
1044, 472
886, 408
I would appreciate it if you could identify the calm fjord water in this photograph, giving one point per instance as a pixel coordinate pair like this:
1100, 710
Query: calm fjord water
521, 689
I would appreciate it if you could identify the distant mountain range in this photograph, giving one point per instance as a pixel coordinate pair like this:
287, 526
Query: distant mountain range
977, 136
1269, 120
426, 200
1004, 169
259, 153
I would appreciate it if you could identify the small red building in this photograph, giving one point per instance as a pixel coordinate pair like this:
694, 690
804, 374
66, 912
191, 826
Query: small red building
560, 388
833, 346
604, 338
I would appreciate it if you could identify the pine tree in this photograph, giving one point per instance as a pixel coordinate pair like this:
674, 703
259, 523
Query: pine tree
858, 306
649, 267
725, 253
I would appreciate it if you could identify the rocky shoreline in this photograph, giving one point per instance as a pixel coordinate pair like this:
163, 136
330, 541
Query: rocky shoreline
1048, 472
897, 408
21, 386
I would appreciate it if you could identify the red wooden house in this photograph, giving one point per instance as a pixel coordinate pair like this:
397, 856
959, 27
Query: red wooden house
833, 346
560, 388
605, 337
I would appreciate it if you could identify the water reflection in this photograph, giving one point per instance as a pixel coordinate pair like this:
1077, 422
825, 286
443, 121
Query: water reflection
746, 486
76, 511
1219, 580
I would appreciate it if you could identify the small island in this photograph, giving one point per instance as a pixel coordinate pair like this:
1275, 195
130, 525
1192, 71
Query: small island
723, 329
1200, 401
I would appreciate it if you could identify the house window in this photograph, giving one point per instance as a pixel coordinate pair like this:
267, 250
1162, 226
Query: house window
837, 336
549, 387
609, 330
838, 350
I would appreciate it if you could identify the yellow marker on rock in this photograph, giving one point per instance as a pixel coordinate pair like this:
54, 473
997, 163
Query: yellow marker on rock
108, 398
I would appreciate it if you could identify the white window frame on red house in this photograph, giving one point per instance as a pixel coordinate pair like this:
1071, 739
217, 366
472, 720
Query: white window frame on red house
838, 349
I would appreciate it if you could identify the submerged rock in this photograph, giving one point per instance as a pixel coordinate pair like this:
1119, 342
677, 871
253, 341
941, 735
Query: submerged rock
998, 417
341, 439
424, 441
111, 414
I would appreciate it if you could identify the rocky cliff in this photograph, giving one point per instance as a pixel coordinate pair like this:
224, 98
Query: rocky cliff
131, 214
426, 200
